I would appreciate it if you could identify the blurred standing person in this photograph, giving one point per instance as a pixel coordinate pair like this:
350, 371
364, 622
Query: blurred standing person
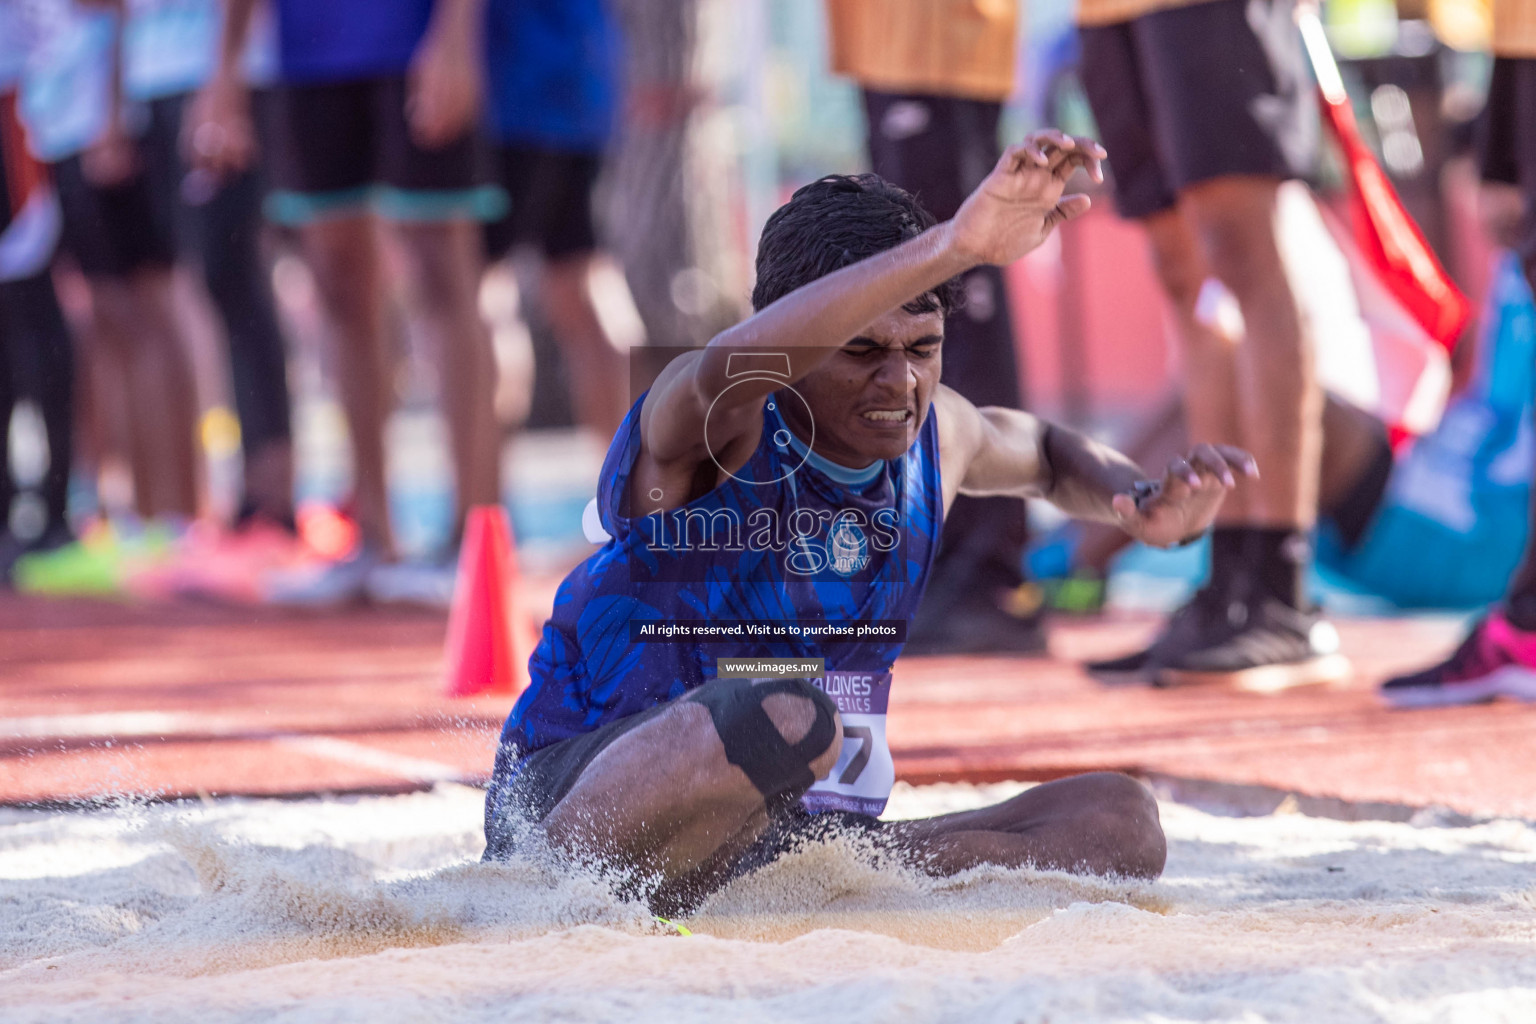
670, 194
76, 120
1498, 658
934, 75
35, 353
552, 96
1205, 108
376, 122
168, 51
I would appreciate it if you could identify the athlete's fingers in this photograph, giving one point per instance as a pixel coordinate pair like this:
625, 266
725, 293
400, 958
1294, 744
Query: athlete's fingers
1092, 156
1049, 138
1070, 208
1180, 469
1015, 157
1063, 164
1208, 462
1176, 491
1091, 146
1053, 145
1124, 506
1239, 459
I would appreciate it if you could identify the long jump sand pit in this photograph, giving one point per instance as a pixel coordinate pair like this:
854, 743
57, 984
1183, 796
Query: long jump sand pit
376, 909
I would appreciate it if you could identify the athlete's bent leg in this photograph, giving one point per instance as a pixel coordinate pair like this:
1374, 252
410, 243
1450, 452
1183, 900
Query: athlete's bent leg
693, 786
1102, 823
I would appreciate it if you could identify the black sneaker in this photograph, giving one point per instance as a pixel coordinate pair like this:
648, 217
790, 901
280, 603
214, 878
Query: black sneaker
1207, 618
1275, 648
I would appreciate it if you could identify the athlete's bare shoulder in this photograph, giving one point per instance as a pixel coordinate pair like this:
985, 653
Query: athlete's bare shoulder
681, 455
960, 437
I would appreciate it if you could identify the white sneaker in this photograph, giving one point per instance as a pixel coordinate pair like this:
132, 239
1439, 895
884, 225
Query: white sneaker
429, 584
327, 585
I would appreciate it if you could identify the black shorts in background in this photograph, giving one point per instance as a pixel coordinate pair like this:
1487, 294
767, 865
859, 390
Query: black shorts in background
1193, 93
550, 197
115, 231
938, 148
1506, 140
341, 147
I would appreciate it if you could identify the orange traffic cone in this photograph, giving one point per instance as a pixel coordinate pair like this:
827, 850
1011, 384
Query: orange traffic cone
488, 641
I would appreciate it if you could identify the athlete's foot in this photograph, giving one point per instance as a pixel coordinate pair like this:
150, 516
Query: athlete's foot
1207, 619
1274, 648
1496, 660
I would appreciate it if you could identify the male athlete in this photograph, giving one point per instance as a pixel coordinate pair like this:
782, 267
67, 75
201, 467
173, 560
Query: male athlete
798, 469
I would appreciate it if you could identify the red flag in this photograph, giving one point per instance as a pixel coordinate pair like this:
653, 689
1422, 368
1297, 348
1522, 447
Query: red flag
1385, 233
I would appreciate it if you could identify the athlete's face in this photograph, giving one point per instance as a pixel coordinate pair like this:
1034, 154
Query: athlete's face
870, 398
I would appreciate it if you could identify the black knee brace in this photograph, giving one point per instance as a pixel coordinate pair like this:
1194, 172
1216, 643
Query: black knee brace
780, 770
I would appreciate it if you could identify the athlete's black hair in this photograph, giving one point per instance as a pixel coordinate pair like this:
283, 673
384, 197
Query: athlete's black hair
836, 221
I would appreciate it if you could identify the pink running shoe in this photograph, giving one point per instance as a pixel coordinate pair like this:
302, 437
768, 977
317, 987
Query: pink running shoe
230, 566
1496, 660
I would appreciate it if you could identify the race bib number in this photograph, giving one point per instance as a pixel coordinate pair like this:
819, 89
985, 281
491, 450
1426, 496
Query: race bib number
862, 778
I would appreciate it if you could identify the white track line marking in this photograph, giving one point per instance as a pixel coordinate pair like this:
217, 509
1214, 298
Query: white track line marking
108, 725
414, 768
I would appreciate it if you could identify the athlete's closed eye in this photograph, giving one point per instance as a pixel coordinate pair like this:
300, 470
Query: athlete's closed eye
925, 348
922, 348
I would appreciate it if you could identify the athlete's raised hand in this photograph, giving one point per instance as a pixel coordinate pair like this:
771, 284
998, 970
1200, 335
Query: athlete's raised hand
1182, 505
1016, 207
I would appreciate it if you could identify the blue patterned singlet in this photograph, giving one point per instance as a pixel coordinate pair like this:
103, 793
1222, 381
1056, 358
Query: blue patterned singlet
788, 537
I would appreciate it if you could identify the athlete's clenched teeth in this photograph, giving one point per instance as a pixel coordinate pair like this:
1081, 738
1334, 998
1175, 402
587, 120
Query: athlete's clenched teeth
888, 415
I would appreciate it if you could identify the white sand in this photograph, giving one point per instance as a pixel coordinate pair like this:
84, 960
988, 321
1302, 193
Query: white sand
375, 910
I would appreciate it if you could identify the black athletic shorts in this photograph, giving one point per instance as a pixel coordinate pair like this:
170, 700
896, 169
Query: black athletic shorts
527, 790
1193, 93
1506, 139
342, 147
939, 148
549, 192
114, 231
147, 220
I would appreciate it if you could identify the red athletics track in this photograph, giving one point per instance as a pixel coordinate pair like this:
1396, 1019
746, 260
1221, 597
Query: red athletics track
99, 699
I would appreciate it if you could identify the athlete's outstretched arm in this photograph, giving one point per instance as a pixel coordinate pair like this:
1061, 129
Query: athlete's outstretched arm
1008, 452
1010, 214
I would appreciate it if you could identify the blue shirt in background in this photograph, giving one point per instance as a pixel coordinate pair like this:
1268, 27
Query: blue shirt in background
13, 50
66, 86
171, 47
552, 70
347, 40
